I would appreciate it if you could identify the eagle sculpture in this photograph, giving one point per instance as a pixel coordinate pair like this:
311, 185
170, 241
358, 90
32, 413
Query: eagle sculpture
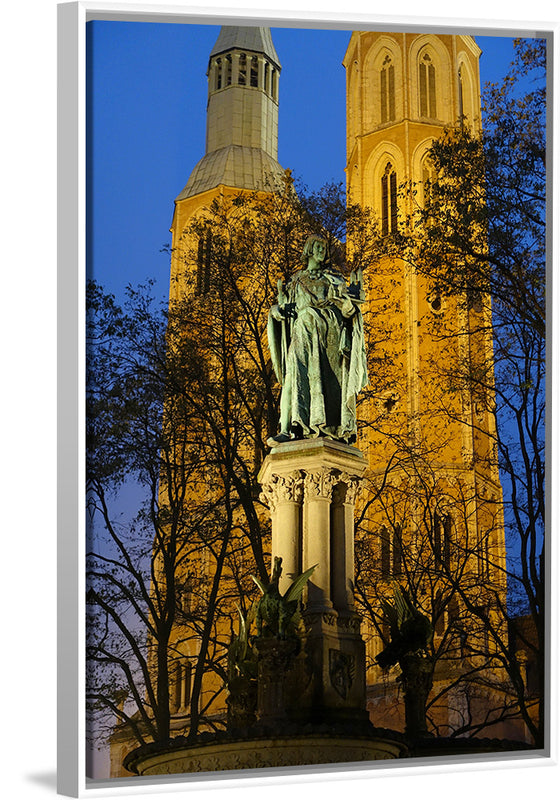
277, 614
411, 631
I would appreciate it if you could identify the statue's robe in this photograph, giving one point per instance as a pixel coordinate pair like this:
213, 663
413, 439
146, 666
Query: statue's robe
319, 354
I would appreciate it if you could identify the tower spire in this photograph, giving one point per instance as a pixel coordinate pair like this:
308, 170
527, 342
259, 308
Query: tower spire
242, 114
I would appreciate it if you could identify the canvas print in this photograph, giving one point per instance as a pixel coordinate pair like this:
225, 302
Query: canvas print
315, 397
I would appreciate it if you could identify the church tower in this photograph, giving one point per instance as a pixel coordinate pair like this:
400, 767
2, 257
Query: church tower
240, 156
433, 517
241, 131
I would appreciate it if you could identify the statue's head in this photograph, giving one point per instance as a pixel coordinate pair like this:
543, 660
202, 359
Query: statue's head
308, 248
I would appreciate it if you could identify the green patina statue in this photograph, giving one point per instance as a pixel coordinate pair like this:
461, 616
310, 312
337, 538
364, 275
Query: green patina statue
260, 667
242, 661
411, 633
242, 676
278, 615
316, 340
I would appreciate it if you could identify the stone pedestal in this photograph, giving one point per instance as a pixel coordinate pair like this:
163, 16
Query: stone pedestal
181, 756
275, 659
417, 681
310, 487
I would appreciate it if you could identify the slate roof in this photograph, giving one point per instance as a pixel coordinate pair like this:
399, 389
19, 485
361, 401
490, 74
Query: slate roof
257, 40
235, 165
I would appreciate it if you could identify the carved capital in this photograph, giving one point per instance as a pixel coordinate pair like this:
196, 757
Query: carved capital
339, 494
319, 484
282, 489
352, 484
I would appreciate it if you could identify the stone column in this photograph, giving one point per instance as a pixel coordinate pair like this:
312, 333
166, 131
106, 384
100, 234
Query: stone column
268, 76
212, 77
316, 537
261, 73
234, 69
322, 533
284, 494
342, 542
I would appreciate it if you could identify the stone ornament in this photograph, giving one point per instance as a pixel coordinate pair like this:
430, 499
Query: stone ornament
346, 491
342, 667
282, 489
319, 484
268, 753
352, 487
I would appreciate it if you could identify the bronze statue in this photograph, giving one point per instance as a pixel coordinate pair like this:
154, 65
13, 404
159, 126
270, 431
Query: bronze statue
316, 340
276, 614
411, 631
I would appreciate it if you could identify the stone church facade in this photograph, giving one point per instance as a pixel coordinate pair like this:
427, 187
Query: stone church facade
433, 516
430, 507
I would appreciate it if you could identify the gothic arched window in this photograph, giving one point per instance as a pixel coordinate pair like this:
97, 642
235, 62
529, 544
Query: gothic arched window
428, 177
397, 551
391, 552
427, 83
442, 537
388, 201
203, 262
385, 543
387, 90
228, 71
219, 73
254, 71
183, 673
242, 73
460, 95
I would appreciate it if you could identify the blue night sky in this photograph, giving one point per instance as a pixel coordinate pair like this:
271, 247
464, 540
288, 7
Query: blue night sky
147, 92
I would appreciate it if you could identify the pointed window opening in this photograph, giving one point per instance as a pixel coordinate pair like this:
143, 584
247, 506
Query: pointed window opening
397, 551
385, 544
218, 73
442, 538
427, 79
436, 544
447, 539
242, 73
428, 180
203, 262
266, 86
228, 71
183, 671
460, 93
254, 78
439, 621
387, 78
484, 557
389, 201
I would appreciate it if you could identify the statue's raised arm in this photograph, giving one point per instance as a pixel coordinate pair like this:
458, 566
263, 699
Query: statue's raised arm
316, 341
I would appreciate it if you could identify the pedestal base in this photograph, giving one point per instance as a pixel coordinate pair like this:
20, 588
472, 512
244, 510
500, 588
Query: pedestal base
310, 487
336, 658
261, 752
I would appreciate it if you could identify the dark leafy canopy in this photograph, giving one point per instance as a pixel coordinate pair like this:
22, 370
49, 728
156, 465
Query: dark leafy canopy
486, 201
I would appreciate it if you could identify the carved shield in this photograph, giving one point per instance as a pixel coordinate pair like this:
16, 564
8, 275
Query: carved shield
341, 671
